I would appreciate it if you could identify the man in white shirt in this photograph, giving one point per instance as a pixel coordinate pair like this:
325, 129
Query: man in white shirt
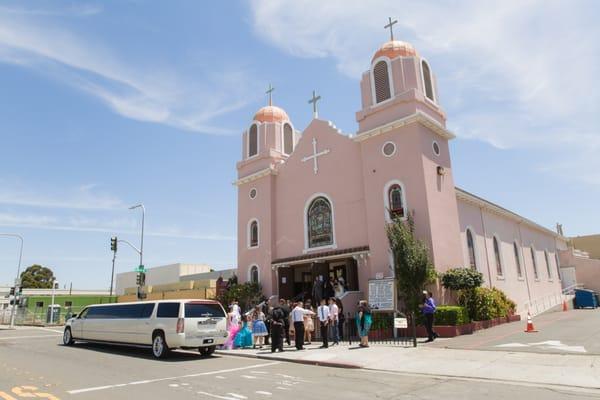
298, 314
334, 321
323, 314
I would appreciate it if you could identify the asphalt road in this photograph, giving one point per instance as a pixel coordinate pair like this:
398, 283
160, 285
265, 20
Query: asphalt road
33, 363
571, 332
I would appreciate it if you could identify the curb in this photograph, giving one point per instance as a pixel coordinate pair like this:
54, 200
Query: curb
331, 364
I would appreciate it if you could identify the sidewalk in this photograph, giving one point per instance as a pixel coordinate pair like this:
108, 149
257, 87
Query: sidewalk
547, 369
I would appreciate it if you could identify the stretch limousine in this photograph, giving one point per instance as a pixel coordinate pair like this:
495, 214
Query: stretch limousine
163, 325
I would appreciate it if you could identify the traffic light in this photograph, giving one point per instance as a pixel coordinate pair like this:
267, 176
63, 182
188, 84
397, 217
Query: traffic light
141, 279
12, 291
113, 244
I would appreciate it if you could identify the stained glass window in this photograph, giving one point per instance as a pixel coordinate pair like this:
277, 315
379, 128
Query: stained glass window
320, 224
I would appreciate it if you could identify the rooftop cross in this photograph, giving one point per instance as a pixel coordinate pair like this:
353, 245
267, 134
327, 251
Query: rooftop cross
313, 101
269, 92
391, 26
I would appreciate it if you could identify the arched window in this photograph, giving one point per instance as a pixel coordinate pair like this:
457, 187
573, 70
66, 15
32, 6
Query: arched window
319, 223
288, 139
471, 249
396, 201
535, 270
547, 264
497, 257
253, 141
382, 82
517, 260
253, 233
427, 80
254, 274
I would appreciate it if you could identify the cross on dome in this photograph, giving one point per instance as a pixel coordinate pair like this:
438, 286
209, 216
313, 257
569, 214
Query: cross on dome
270, 93
313, 101
391, 26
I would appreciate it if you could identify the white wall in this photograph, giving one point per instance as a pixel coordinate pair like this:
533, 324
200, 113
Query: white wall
162, 275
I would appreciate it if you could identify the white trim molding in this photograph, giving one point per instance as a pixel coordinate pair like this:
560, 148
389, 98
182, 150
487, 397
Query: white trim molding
418, 117
307, 204
383, 148
255, 176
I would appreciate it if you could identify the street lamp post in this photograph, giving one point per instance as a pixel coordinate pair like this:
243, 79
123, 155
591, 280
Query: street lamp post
54, 287
142, 239
17, 280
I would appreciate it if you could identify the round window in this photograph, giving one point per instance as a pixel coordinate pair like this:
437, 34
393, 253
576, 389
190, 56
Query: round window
388, 149
436, 148
252, 193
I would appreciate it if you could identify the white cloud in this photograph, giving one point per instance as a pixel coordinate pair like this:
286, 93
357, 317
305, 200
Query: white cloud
513, 73
142, 92
85, 197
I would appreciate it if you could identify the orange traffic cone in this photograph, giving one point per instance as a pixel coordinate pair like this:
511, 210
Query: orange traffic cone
530, 328
565, 306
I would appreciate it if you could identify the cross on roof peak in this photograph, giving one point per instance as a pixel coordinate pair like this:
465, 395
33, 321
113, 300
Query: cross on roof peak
313, 101
270, 93
391, 26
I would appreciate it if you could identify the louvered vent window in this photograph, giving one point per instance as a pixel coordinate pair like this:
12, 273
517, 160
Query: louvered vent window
288, 139
252, 141
427, 79
382, 82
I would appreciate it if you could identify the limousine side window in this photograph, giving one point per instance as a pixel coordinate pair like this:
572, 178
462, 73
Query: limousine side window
203, 310
125, 311
168, 310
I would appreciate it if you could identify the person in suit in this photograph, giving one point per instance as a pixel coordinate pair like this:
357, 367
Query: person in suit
277, 327
324, 320
285, 308
329, 290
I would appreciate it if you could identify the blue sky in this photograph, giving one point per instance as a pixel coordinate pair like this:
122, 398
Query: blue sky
107, 104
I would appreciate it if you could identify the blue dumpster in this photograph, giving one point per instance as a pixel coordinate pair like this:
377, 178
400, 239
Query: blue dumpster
585, 298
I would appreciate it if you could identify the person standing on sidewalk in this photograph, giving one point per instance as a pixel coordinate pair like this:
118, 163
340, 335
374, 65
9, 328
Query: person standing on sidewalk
363, 322
277, 329
428, 310
324, 319
298, 314
285, 308
333, 321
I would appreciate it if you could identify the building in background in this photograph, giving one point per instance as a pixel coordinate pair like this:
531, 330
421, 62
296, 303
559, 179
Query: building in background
589, 243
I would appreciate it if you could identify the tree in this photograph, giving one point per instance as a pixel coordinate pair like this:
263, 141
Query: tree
413, 269
247, 294
37, 277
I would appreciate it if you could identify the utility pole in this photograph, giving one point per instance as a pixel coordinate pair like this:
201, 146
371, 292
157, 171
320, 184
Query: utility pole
113, 247
17, 279
54, 287
141, 271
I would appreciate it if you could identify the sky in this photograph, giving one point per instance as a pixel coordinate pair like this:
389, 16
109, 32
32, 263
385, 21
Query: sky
107, 104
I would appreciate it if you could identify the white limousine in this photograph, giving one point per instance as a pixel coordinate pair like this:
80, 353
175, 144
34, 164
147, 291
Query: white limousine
162, 325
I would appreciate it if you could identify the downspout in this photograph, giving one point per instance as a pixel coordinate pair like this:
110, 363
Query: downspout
524, 265
487, 256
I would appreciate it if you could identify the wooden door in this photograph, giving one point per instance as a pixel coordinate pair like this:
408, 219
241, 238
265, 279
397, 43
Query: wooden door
286, 282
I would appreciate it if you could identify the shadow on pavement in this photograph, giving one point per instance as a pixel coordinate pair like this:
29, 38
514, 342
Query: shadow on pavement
141, 352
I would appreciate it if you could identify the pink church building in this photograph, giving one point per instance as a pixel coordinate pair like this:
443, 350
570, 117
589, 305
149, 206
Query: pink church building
316, 202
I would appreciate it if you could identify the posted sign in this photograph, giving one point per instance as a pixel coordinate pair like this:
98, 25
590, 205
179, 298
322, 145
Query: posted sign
382, 294
400, 323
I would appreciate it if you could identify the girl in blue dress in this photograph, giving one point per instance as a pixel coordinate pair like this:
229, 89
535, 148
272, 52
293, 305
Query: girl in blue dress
243, 338
259, 329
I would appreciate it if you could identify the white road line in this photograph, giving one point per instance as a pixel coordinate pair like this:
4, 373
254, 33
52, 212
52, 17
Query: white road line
51, 330
237, 396
28, 337
215, 396
248, 376
223, 371
263, 393
282, 388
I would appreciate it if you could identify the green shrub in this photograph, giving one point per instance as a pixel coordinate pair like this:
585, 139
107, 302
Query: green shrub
448, 315
484, 303
382, 321
462, 279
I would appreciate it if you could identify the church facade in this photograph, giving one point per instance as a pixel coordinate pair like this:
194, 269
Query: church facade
316, 203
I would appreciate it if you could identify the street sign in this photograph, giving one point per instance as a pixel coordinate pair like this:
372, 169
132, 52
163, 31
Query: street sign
140, 268
400, 323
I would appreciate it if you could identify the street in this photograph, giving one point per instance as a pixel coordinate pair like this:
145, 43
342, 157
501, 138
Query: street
35, 364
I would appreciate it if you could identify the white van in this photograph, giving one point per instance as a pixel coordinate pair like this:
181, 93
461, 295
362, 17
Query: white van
163, 325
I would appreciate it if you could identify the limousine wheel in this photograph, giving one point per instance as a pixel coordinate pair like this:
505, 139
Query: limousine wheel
207, 351
159, 346
68, 337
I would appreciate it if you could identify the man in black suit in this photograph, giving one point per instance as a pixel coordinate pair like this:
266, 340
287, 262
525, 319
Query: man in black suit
286, 319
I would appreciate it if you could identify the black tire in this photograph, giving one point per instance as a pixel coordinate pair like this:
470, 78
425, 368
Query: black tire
207, 351
68, 337
160, 349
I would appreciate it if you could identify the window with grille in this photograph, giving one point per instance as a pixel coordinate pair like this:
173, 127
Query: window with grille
253, 141
382, 82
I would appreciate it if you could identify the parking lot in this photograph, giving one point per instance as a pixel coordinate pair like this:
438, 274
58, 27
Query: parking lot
34, 364
571, 332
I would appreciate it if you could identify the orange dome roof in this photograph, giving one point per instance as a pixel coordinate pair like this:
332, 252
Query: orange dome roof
395, 48
271, 114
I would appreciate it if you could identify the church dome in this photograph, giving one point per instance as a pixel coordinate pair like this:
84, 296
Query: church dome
395, 48
271, 114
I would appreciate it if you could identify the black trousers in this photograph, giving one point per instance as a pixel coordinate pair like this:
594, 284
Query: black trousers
299, 329
268, 326
324, 334
276, 336
429, 326
286, 326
